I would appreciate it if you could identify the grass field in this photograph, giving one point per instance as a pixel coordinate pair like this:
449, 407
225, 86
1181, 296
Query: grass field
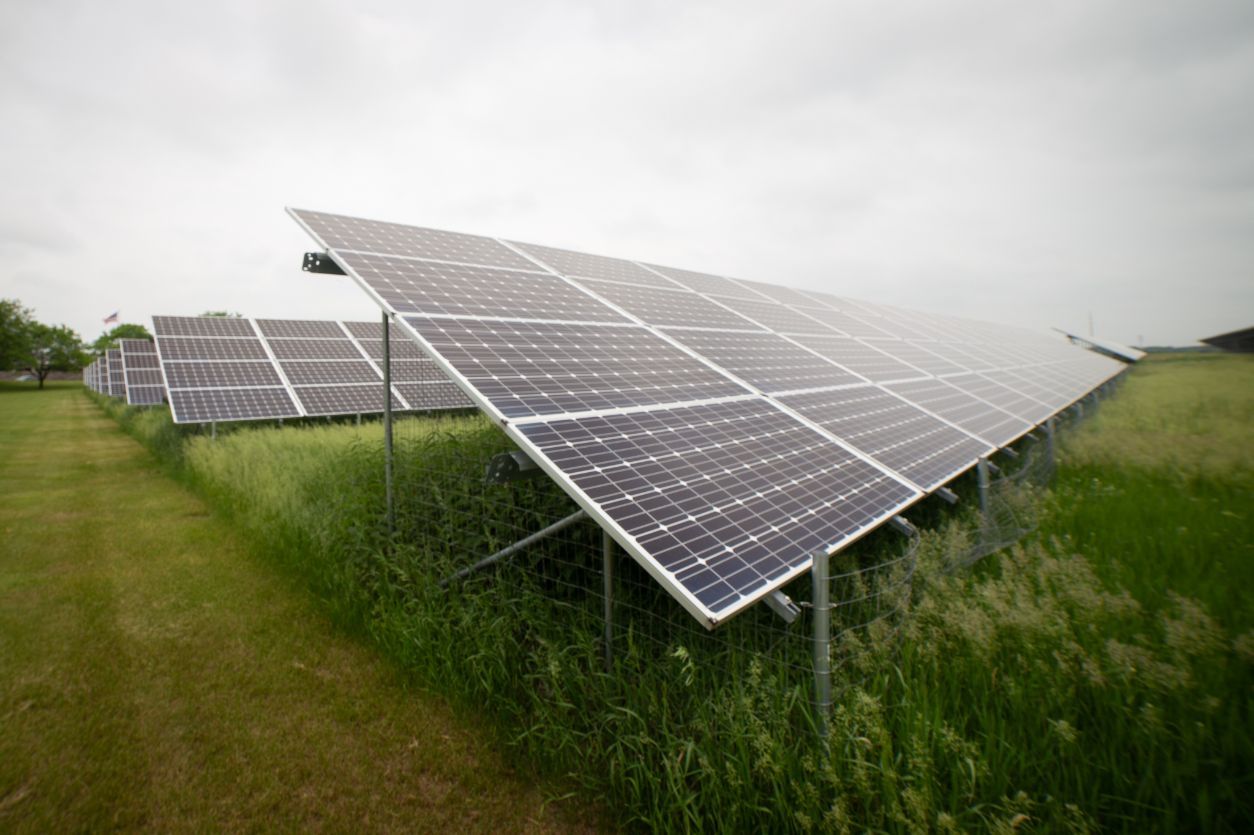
155, 675
1095, 677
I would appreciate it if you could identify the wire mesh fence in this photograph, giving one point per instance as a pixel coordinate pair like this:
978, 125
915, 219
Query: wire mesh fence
449, 518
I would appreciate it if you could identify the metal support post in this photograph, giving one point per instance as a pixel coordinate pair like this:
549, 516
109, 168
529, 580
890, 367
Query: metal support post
213, 430
821, 579
607, 571
387, 425
1049, 440
981, 474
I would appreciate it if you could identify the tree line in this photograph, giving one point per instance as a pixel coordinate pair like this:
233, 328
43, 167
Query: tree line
26, 344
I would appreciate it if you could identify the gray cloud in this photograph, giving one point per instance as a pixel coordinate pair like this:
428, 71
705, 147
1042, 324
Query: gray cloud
1029, 165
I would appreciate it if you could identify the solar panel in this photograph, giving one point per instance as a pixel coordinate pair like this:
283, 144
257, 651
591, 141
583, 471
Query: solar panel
721, 429
1107, 346
292, 368
526, 368
346, 233
117, 373
409, 286
414, 375
582, 265
860, 358
1009, 400
775, 316
729, 499
917, 356
714, 285
675, 307
844, 323
981, 419
142, 370
328, 371
217, 369
765, 360
895, 433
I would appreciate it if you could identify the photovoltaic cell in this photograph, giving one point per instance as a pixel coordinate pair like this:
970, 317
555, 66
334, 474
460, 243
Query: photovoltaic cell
859, 358
314, 349
1009, 400
776, 317
202, 375
313, 373
916, 356
340, 232
895, 433
194, 348
434, 395
453, 290
730, 499
343, 400
542, 369
210, 405
843, 322
966, 410
714, 285
117, 373
216, 326
299, 329
781, 294
144, 385
582, 265
675, 307
765, 360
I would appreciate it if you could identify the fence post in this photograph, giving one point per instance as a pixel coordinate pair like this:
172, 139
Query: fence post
1049, 441
607, 561
981, 475
821, 605
387, 425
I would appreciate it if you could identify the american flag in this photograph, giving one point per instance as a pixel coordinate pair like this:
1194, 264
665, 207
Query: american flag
111, 318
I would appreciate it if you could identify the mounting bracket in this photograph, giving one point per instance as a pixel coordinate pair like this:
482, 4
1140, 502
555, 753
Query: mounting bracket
782, 605
510, 466
947, 494
1010, 451
903, 526
320, 262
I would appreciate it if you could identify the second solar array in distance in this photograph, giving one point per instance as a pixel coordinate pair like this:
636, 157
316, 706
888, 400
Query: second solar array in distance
221, 369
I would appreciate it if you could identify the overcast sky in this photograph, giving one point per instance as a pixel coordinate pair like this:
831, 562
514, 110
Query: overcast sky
1027, 163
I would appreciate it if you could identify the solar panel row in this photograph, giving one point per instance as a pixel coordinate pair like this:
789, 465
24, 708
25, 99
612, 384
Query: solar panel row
720, 429
220, 369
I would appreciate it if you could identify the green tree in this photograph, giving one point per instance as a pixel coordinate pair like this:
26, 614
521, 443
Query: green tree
53, 348
109, 339
15, 323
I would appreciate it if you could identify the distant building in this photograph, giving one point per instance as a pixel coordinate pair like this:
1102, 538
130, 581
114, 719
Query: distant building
1241, 342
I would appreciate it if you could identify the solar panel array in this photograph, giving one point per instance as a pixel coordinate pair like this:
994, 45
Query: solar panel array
117, 373
721, 430
1106, 346
223, 369
141, 372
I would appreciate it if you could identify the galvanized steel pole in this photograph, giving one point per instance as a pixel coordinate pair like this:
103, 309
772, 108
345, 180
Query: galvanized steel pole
387, 425
821, 604
607, 560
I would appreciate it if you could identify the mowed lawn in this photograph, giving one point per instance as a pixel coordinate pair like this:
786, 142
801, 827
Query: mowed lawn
154, 675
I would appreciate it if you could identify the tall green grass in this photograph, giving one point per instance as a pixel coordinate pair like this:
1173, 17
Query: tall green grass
1095, 676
